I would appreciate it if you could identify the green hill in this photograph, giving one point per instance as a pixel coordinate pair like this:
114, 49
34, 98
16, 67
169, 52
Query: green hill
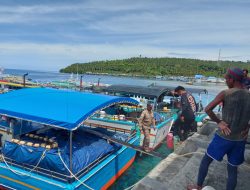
156, 66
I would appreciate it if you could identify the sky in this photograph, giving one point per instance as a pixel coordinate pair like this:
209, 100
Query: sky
49, 35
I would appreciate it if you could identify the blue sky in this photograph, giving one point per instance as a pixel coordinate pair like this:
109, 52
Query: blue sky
51, 34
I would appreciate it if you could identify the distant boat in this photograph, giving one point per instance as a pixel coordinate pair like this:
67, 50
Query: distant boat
215, 80
159, 77
190, 82
211, 79
220, 80
9, 82
1, 71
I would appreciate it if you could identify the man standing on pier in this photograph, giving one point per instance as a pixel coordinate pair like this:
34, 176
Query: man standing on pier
187, 113
145, 121
246, 79
230, 138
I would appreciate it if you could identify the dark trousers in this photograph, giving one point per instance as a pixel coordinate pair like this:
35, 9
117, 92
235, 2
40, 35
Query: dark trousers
182, 128
231, 170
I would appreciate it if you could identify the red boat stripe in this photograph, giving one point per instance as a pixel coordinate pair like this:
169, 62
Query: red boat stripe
120, 172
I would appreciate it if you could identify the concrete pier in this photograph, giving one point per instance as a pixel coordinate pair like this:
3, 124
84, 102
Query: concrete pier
180, 168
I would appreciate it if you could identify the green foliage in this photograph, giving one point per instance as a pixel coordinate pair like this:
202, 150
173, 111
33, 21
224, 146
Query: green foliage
143, 66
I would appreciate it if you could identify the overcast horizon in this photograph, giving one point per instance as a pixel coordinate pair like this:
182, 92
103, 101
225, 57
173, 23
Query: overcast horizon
50, 35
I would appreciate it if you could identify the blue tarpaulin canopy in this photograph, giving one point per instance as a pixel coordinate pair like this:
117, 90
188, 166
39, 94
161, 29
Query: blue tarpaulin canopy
57, 108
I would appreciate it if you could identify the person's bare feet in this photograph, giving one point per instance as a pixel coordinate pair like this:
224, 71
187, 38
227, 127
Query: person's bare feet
147, 149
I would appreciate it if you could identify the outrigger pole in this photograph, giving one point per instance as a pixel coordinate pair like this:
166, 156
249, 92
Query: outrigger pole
137, 148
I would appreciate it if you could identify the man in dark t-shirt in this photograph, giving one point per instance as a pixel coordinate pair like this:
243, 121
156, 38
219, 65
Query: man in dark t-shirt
186, 115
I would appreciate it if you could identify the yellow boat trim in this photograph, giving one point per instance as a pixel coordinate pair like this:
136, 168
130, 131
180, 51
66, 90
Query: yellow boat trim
17, 85
19, 182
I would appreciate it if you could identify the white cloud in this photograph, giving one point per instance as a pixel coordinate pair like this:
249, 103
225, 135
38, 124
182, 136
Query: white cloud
54, 57
56, 34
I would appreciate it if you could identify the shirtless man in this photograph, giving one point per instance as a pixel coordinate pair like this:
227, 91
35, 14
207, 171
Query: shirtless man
230, 138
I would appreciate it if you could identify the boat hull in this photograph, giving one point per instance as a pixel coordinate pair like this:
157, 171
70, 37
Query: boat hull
100, 177
159, 134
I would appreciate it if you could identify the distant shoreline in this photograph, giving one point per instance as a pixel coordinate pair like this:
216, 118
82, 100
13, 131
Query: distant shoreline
158, 78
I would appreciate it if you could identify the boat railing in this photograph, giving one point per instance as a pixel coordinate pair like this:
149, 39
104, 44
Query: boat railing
133, 119
55, 175
43, 171
97, 161
59, 176
132, 132
90, 166
108, 127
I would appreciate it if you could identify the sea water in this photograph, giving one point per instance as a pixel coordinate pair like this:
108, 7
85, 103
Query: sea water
142, 165
43, 76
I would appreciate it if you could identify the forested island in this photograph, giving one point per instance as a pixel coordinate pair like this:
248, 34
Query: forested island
143, 66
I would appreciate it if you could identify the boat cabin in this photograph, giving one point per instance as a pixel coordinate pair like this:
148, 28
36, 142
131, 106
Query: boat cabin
153, 94
160, 96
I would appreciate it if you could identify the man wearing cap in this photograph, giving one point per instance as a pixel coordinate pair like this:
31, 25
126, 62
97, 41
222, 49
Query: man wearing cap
145, 121
230, 138
187, 113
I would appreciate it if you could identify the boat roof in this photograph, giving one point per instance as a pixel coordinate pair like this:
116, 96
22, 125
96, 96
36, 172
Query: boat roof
192, 90
64, 109
151, 91
197, 90
147, 91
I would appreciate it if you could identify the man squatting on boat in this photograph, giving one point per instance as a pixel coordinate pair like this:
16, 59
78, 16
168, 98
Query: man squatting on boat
230, 138
145, 121
186, 116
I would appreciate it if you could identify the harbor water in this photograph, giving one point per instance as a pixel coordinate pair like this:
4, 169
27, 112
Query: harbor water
213, 88
142, 165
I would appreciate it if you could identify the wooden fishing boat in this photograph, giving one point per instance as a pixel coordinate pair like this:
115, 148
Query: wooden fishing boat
47, 144
165, 111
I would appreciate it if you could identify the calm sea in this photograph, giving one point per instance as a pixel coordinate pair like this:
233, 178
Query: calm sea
56, 76
42, 76
143, 164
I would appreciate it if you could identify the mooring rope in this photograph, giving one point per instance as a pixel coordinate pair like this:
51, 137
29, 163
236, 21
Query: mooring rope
22, 174
59, 154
